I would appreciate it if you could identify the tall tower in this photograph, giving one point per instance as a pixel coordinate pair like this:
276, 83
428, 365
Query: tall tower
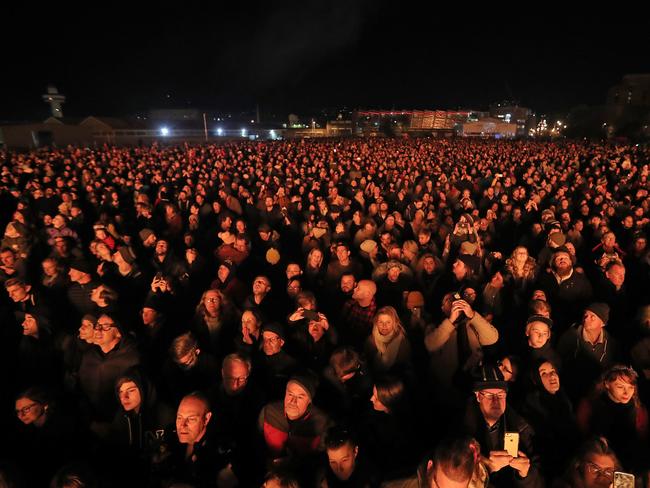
55, 100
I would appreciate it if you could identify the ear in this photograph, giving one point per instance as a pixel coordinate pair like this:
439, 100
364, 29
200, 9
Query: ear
356, 451
281, 343
208, 416
198, 351
477, 397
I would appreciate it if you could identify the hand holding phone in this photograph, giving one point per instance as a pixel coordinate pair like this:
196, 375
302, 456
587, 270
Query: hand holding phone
511, 443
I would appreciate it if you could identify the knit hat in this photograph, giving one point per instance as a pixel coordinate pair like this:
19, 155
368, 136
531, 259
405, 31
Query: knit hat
82, 265
153, 302
307, 381
601, 310
127, 254
472, 262
487, 377
145, 234
264, 227
228, 264
272, 256
557, 238
414, 299
540, 318
368, 245
274, 327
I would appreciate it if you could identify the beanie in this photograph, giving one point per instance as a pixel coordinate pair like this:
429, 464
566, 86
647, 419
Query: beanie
145, 234
368, 245
127, 254
307, 381
82, 265
472, 262
540, 318
274, 327
601, 310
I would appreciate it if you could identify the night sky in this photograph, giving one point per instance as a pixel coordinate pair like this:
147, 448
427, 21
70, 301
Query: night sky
123, 59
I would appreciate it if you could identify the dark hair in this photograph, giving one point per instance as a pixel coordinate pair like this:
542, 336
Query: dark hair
345, 360
73, 476
339, 435
457, 457
391, 392
37, 394
282, 476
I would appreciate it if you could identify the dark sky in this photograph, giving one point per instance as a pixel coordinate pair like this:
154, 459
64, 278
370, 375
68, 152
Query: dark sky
119, 59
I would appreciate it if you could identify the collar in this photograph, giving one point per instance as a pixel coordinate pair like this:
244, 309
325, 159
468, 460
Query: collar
561, 280
599, 340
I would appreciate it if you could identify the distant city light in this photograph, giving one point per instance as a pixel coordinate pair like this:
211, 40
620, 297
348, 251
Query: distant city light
252, 121
219, 131
164, 131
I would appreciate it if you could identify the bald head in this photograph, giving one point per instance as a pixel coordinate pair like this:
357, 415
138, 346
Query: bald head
365, 292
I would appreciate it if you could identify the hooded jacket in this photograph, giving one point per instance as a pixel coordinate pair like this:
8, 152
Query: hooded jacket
99, 371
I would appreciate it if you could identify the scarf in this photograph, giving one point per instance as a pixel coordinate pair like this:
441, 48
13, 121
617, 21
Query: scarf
387, 346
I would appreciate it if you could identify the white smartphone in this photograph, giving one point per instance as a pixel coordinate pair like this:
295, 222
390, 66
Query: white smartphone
623, 480
511, 443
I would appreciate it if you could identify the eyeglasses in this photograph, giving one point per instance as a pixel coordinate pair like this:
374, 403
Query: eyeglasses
21, 412
106, 326
212, 300
597, 471
493, 396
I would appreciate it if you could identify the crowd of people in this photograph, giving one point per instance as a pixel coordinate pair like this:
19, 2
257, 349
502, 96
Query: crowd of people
333, 313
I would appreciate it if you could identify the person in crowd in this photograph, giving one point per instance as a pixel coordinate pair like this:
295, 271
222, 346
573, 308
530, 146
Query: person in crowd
112, 354
456, 462
456, 346
616, 413
488, 418
550, 412
587, 349
592, 467
348, 211
387, 348
187, 368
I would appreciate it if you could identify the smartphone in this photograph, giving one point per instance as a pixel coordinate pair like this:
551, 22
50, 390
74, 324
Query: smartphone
623, 480
511, 443
310, 315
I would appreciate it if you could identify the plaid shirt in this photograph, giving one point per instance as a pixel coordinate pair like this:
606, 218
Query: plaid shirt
357, 319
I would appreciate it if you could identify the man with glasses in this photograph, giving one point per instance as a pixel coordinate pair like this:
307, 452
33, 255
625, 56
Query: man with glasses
276, 364
187, 368
487, 419
238, 401
111, 355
